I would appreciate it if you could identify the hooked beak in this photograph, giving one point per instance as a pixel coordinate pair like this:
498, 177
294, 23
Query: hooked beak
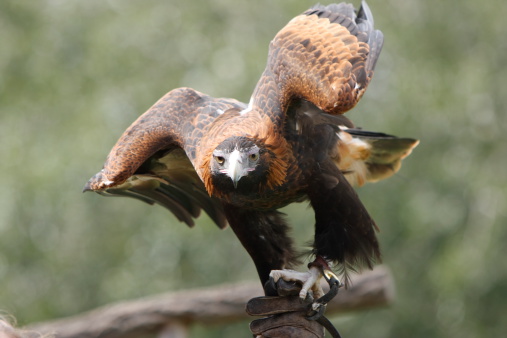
236, 170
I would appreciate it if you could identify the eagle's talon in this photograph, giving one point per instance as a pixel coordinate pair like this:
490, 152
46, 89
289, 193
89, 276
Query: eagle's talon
334, 287
332, 280
308, 300
316, 311
310, 281
288, 288
318, 307
270, 287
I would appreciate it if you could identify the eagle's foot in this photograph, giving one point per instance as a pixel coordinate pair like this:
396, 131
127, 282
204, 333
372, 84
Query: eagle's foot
309, 281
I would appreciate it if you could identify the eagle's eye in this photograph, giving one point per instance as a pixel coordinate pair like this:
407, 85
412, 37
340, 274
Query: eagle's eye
254, 156
220, 159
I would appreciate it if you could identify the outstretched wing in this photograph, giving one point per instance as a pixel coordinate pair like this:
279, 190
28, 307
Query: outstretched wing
322, 62
153, 160
326, 56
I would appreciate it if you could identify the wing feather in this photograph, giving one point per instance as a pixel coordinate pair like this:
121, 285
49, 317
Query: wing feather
363, 156
154, 159
384, 154
153, 196
326, 56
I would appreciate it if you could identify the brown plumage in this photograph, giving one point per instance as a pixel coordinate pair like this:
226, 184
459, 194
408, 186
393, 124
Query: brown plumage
240, 163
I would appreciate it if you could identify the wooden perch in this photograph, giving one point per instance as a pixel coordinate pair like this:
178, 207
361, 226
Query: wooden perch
172, 312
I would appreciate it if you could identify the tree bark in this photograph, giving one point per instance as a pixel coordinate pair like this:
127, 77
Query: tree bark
173, 312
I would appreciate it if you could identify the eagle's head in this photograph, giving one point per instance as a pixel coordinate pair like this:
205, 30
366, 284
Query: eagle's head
239, 163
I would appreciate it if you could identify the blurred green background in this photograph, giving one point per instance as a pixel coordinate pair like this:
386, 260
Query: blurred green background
75, 74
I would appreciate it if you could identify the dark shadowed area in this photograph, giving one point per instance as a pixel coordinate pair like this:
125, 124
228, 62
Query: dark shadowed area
75, 74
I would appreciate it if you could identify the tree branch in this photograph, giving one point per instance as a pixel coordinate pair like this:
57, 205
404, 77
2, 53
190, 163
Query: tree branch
214, 305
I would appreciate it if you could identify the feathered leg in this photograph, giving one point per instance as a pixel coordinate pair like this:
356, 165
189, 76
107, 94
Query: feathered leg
264, 236
344, 231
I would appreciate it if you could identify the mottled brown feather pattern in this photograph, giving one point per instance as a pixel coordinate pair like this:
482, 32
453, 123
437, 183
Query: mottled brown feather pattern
319, 61
318, 67
180, 118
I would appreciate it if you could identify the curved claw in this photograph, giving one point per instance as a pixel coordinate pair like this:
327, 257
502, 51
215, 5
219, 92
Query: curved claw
319, 306
284, 288
270, 288
309, 280
316, 311
334, 286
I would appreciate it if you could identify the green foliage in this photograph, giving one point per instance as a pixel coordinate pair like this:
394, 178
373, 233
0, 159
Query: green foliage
75, 74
